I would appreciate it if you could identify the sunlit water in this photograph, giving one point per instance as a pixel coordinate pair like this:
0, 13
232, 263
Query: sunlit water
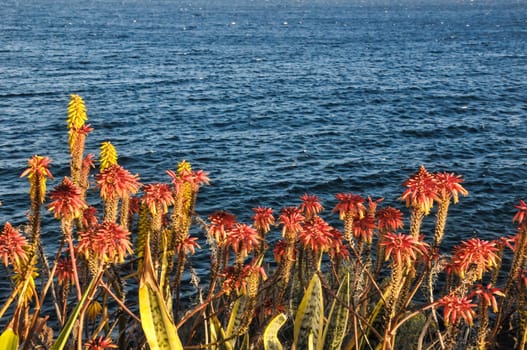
274, 100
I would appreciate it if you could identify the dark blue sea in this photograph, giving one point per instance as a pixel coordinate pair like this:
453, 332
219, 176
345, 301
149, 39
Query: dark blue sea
275, 99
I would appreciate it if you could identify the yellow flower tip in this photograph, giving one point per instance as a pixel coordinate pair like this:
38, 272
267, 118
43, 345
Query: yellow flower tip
184, 166
108, 155
76, 112
94, 310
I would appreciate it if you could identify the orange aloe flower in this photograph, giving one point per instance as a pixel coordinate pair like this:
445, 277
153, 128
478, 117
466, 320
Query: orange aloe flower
372, 205
117, 182
237, 281
157, 196
316, 235
194, 178
67, 202
263, 219
457, 308
37, 173
189, 245
100, 344
487, 295
475, 252
363, 228
349, 204
310, 205
12, 246
89, 217
279, 250
389, 219
292, 219
64, 271
449, 185
421, 190
108, 241
221, 223
337, 248
243, 239
521, 214
405, 248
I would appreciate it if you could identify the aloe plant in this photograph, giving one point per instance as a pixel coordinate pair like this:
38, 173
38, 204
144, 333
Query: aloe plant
335, 328
160, 331
310, 316
270, 337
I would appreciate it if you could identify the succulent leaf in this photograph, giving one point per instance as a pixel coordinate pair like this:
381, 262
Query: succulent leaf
309, 319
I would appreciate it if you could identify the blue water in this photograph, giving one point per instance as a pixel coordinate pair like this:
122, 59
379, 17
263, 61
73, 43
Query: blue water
275, 100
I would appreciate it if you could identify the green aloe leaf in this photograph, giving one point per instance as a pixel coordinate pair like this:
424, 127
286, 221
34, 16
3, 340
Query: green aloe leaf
9, 340
68, 327
160, 331
217, 336
335, 329
270, 337
309, 319
236, 318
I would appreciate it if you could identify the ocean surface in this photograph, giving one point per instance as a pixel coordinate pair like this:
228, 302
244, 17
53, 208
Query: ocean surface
275, 99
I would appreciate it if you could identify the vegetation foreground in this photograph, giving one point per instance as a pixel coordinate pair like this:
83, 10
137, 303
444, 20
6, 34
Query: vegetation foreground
366, 286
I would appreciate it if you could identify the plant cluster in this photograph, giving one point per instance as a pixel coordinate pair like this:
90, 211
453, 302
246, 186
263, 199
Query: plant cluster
367, 285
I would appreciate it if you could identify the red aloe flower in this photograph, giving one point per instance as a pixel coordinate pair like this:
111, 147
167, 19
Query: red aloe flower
157, 196
521, 214
38, 166
372, 205
279, 250
237, 281
12, 245
117, 182
68, 203
475, 252
349, 204
316, 235
64, 271
87, 164
337, 246
108, 241
195, 178
405, 248
449, 185
292, 219
421, 190
389, 219
363, 228
243, 239
37, 173
263, 218
487, 295
189, 245
310, 205
234, 280
100, 344
457, 308
89, 217
220, 225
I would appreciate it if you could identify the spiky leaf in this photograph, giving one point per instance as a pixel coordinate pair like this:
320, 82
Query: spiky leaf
68, 327
310, 315
9, 340
160, 331
270, 337
217, 335
236, 318
335, 329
